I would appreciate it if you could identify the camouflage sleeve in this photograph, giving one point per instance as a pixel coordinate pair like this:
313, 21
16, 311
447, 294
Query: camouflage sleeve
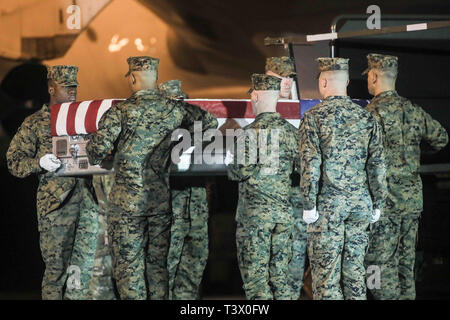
102, 141
310, 161
21, 154
435, 134
376, 168
242, 167
195, 113
297, 152
373, 111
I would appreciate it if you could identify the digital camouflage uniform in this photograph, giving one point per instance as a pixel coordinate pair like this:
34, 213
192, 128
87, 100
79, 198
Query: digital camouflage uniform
60, 200
101, 284
139, 217
188, 251
343, 176
264, 215
285, 67
393, 238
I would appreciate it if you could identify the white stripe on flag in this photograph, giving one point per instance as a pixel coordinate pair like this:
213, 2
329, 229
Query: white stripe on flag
61, 120
221, 121
106, 104
294, 122
81, 116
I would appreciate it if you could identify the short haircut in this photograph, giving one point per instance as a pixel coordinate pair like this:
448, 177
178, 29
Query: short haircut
390, 74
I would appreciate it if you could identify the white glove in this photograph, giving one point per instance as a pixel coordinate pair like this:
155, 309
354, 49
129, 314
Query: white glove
49, 162
310, 216
375, 215
229, 158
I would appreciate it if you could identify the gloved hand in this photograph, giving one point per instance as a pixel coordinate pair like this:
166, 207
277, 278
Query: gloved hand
229, 158
375, 215
310, 216
49, 162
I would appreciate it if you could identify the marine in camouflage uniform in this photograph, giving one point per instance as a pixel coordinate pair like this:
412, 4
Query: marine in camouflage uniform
60, 200
284, 67
264, 216
139, 217
188, 251
343, 174
393, 237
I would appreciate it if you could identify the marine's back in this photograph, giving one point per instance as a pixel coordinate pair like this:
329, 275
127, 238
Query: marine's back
345, 130
405, 125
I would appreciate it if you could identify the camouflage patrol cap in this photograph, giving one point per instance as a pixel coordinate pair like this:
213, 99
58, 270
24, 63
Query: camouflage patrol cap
63, 75
332, 64
284, 66
142, 63
381, 61
264, 82
172, 89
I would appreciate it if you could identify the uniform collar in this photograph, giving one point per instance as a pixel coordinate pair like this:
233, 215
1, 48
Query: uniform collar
268, 115
336, 98
45, 108
388, 93
145, 92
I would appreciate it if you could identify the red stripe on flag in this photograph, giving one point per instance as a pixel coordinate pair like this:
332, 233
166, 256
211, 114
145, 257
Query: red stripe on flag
90, 121
243, 109
71, 113
54, 110
289, 110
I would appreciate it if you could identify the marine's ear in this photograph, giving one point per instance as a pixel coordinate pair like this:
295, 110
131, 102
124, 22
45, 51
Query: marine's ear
51, 87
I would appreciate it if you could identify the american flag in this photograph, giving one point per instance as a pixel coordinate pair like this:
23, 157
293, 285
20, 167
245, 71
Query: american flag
73, 118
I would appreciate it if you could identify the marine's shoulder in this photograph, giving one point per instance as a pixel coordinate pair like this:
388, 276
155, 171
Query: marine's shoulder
286, 125
388, 100
409, 104
322, 110
317, 109
328, 104
363, 115
255, 124
358, 110
36, 118
123, 104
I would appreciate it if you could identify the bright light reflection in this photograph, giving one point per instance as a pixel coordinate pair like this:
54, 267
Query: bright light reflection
117, 45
